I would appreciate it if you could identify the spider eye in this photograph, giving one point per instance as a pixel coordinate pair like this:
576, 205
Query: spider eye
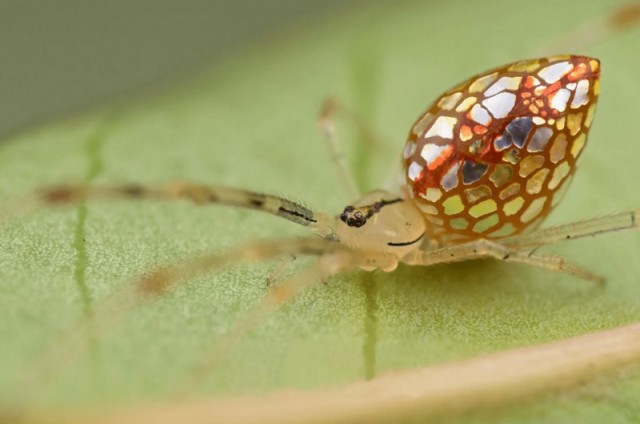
353, 217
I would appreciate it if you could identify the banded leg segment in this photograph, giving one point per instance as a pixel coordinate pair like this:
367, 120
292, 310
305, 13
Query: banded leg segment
480, 249
199, 194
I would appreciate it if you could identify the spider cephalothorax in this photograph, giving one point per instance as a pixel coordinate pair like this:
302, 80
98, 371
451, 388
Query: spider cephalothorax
381, 221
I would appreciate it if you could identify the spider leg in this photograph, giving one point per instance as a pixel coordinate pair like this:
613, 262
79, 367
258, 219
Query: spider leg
480, 249
333, 258
280, 269
326, 123
621, 18
591, 227
325, 267
115, 307
166, 278
330, 109
318, 222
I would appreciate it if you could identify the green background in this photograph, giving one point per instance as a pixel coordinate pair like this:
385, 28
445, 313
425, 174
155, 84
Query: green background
251, 123
67, 55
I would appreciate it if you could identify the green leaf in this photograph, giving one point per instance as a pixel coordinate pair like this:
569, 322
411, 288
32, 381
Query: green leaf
251, 124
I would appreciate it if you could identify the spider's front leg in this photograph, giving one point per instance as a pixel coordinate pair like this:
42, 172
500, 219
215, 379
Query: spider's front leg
480, 249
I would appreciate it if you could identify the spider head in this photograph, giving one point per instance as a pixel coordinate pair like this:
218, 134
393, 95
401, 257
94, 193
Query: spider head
381, 221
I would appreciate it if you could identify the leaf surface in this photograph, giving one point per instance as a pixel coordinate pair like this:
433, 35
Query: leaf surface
251, 124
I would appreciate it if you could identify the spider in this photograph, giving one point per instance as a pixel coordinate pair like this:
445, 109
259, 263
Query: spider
419, 224
482, 168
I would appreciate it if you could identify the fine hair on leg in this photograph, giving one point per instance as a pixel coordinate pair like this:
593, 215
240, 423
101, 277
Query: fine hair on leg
199, 194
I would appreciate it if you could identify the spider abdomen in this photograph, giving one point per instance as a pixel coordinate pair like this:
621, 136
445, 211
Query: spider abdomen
490, 157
